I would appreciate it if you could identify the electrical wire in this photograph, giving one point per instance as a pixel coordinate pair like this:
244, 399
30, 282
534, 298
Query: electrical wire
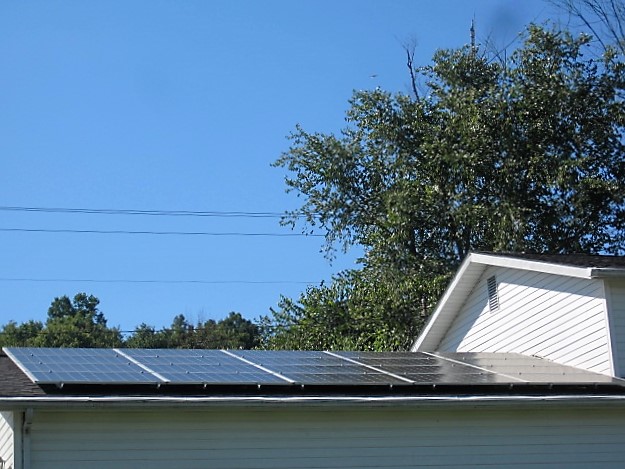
167, 233
167, 213
160, 281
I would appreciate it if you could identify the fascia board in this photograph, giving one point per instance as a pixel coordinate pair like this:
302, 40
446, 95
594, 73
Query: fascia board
448, 306
535, 266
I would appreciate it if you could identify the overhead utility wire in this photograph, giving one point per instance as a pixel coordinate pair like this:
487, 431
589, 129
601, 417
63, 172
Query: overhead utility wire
169, 233
168, 213
202, 282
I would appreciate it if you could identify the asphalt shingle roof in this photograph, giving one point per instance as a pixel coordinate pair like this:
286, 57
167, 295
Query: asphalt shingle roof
13, 382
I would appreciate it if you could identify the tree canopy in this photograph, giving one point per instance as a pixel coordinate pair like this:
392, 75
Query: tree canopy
79, 323
232, 332
70, 323
520, 154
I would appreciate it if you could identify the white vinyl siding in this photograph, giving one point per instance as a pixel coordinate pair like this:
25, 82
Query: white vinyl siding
616, 302
329, 438
550, 316
6, 438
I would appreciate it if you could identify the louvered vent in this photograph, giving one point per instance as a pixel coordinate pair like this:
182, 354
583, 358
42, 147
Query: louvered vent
493, 298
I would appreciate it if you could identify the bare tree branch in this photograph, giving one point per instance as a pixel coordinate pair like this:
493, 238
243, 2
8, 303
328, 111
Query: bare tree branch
410, 49
605, 19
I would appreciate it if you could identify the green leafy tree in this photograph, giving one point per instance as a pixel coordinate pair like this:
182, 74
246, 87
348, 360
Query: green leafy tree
78, 323
520, 155
359, 310
146, 336
177, 335
20, 335
236, 332
70, 323
232, 332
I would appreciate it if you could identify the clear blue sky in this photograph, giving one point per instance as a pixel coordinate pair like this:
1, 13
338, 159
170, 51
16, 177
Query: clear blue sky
183, 105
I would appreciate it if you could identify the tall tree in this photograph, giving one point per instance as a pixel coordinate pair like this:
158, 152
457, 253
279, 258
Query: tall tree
70, 323
78, 323
232, 332
525, 154
21, 335
360, 310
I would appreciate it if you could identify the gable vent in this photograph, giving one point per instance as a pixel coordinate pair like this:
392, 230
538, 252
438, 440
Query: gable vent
493, 298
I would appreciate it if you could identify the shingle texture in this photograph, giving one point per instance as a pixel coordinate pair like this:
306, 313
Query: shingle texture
13, 382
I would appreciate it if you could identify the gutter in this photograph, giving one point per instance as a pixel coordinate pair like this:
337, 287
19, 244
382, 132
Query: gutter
600, 272
90, 402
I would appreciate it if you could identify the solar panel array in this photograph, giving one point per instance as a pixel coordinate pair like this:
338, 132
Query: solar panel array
271, 368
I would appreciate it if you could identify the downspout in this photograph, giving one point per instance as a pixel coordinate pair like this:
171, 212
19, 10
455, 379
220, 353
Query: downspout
26, 426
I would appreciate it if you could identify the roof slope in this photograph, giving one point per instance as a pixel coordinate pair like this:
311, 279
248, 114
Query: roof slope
73, 374
13, 382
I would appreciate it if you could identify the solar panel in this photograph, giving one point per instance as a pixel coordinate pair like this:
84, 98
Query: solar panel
528, 369
317, 368
78, 365
184, 366
424, 369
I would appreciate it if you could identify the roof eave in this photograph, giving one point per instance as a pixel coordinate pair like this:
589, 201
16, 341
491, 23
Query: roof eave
447, 306
533, 265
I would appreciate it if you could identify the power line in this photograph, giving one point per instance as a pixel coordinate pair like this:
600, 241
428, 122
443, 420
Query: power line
167, 233
162, 213
161, 281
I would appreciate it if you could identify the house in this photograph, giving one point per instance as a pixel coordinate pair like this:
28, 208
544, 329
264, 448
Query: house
567, 309
519, 366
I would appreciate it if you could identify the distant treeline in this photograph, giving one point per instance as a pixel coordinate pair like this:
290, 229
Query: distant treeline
79, 323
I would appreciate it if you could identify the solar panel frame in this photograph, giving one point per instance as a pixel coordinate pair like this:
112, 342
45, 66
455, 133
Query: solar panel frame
529, 369
426, 369
318, 368
205, 367
61, 366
